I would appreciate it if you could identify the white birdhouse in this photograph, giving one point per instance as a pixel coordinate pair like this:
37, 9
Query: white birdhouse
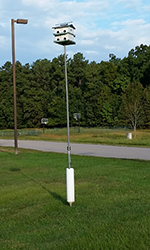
64, 34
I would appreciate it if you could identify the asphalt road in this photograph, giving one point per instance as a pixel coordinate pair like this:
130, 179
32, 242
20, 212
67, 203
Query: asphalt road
83, 149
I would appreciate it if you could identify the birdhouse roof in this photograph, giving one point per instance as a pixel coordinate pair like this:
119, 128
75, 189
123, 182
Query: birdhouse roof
64, 25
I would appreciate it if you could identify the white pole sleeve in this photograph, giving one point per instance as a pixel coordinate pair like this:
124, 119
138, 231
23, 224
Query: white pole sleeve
70, 185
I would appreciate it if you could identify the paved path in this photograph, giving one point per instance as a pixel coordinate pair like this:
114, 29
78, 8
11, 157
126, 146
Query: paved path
83, 149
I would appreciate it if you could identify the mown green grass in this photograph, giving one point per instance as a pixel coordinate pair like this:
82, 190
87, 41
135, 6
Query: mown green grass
111, 211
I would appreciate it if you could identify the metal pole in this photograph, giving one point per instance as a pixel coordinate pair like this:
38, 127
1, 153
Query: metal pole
67, 105
14, 87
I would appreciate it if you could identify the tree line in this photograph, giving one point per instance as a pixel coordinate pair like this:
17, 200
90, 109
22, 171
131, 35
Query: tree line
109, 93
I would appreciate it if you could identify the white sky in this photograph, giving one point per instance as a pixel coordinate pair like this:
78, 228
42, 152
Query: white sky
102, 27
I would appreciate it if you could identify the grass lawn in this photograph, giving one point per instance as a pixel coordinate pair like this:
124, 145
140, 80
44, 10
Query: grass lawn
111, 212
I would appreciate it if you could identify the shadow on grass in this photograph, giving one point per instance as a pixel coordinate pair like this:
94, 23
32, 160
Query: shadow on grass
53, 194
58, 197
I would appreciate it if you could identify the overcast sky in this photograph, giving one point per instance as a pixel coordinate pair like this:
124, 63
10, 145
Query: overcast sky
102, 27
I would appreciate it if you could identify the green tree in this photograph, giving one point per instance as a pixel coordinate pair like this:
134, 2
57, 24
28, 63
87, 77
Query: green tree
6, 93
132, 105
114, 59
34, 92
139, 62
147, 107
77, 69
108, 73
56, 98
